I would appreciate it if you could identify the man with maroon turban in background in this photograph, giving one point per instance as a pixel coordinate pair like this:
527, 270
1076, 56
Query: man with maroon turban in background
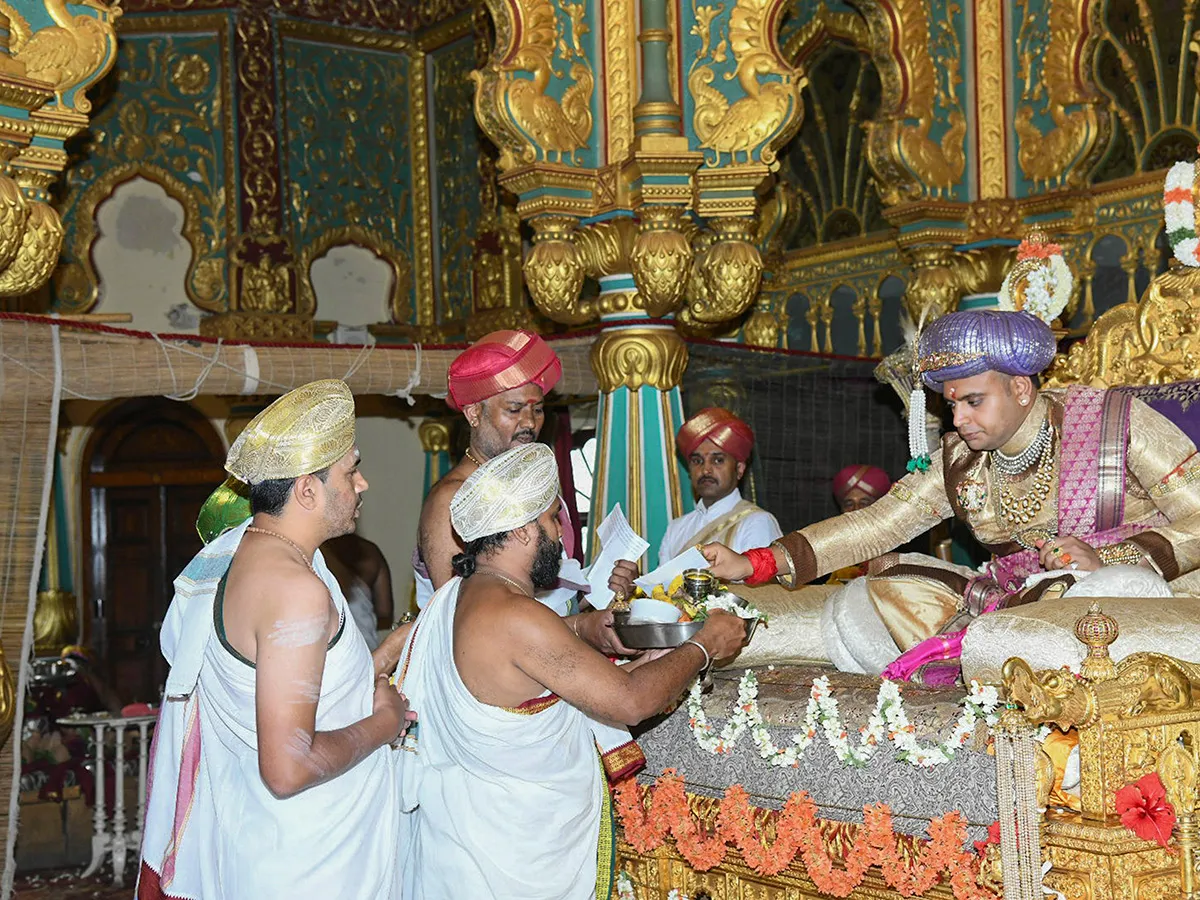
858, 486
499, 384
716, 446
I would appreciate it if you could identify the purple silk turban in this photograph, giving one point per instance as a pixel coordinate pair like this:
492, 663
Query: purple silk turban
962, 344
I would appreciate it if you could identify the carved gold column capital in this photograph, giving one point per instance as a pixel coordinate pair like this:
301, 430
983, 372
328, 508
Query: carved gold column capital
941, 277
554, 271
435, 436
633, 357
605, 247
42, 237
661, 259
731, 271
55, 622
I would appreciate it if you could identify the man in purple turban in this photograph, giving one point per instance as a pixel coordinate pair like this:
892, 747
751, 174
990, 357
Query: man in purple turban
1054, 483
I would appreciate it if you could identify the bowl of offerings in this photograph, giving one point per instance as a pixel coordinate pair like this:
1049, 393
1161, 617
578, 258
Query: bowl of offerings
676, 612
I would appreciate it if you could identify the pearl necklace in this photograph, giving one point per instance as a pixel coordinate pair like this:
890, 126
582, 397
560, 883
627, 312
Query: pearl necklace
1020, 462
286, 540
1020, 511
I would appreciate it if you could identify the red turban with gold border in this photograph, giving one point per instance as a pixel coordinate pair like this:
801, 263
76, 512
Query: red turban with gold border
499, 362
721, 427
870, 479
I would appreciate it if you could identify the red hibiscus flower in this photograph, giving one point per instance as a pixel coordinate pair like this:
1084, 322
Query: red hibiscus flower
1145, 811
993, 837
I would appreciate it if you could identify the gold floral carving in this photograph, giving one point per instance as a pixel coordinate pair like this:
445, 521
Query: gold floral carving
1058, 47
605, 247
769, 111
399, 304
633, 357
732, 270
908, 163
1155, 341
554, 271
762, 328
14, 213
661, 259
422, 193
989, 99
518, 112
71, 54
620, 67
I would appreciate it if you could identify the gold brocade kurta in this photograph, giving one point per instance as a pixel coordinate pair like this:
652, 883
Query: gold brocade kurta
1162, 476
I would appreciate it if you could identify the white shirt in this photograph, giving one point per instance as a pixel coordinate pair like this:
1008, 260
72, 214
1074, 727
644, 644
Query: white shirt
757, 529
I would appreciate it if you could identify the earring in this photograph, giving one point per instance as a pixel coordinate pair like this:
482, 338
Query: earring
1024, 401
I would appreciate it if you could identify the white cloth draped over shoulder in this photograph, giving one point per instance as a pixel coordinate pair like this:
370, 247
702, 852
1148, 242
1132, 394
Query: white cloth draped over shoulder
214, 831
731, 521
510, 804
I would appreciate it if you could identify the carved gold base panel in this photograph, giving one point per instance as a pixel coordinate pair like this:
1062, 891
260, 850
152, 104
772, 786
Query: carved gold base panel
1099, 861
657, 873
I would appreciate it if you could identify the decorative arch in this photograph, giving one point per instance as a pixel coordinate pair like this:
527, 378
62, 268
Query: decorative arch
400, 302
76, 283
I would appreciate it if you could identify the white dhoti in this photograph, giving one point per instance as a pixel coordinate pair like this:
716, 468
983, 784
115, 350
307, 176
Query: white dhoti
508, 803
213, 829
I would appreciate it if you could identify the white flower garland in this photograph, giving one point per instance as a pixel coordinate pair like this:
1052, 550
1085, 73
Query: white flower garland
1179, 211
625, 886
887, 721
1047, 288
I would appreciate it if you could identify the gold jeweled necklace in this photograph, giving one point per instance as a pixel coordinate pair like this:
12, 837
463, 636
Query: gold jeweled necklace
521, 589
1018, 512
473, 458
286, 540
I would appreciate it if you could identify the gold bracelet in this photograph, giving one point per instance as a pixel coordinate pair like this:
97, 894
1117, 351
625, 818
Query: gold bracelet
1123, 553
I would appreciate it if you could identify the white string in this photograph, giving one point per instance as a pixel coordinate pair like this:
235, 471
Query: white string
200, 379
414, 380
362, 357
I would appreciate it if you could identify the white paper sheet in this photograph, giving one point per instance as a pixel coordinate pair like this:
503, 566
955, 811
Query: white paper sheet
691, 558
617, 541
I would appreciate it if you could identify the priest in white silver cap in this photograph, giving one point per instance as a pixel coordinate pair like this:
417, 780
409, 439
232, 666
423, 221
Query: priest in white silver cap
509, 795
271, 774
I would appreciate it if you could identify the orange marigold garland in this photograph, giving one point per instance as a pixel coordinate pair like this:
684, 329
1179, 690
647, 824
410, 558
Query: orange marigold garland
649, 814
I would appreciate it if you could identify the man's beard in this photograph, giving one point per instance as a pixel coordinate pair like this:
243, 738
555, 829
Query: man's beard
547, 561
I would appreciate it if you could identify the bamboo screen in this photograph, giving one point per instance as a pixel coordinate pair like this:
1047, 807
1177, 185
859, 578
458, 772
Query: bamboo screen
44, 360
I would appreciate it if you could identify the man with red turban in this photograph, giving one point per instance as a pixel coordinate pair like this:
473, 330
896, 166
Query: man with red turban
716, 445
858, 486
499, 384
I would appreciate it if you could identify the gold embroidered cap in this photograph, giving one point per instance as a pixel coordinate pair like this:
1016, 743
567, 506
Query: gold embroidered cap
506, 492
304, 431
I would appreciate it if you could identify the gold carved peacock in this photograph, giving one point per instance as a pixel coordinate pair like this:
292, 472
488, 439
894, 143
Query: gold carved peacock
765, 107
73, 51
892, 139
558, 127
1052, 158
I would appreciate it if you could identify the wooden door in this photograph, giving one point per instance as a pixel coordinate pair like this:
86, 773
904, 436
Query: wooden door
149, 468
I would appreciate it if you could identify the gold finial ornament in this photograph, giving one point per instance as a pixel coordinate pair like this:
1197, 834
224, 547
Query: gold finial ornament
661, 259
38, 253
554, 271
304, 431
732, 271
1097, 631
435, 436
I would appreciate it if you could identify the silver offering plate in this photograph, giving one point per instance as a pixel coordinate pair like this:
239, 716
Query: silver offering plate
656, 635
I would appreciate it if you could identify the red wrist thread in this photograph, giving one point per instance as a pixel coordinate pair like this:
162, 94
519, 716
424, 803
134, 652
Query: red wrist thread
765, 567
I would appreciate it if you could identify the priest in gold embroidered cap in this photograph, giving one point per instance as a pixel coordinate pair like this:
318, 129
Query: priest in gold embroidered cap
272, 744
509, 799
1067, 482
